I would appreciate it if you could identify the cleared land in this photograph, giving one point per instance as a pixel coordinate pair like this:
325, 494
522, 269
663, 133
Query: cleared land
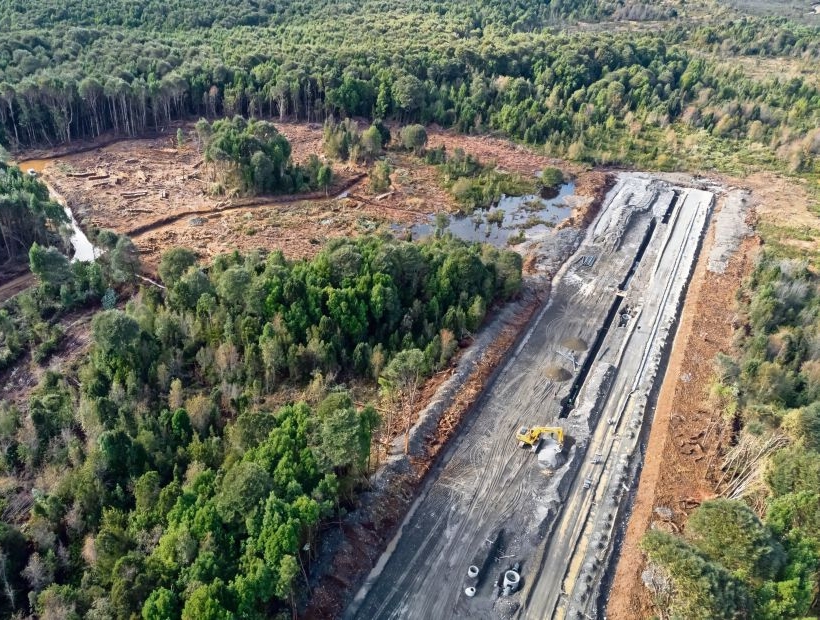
492, 505
159, 194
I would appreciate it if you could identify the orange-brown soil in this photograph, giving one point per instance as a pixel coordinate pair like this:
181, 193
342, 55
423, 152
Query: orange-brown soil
686, 437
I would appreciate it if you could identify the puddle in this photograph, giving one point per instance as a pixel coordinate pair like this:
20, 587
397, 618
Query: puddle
35, 164
534, 213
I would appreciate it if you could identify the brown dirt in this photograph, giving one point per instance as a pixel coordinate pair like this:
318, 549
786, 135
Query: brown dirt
177, 210
175, 183
509, 156
685, 439
783, 206
15, 285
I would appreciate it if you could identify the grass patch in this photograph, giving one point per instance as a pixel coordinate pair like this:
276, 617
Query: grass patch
475, 185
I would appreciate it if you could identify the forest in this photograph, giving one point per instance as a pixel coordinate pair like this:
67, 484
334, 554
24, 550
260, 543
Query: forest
27, 214
253, 157
167, 485
474, 67
730, 563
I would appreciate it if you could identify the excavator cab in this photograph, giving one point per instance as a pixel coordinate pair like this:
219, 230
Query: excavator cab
533, 437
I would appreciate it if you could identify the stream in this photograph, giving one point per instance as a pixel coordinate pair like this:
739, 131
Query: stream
84, 250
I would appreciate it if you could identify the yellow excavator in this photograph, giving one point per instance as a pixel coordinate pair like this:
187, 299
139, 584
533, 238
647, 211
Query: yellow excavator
533, 437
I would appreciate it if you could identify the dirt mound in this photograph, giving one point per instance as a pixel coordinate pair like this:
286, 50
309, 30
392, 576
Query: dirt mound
556, 373
575, 344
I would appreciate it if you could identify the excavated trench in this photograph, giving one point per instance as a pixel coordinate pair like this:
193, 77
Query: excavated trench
671, 208
568, 402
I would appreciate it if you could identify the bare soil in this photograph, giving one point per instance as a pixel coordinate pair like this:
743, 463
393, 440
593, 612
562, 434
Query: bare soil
12, 286
159, 194
687, 434
509, 156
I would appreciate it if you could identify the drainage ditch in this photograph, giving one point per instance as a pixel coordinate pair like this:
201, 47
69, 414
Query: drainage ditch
568, 402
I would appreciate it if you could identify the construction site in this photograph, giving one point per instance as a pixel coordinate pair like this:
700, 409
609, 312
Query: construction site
499, 531
523, 467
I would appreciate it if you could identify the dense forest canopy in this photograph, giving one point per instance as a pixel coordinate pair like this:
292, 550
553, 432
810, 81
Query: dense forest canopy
168, 487
193, 14
254, 157
472, 66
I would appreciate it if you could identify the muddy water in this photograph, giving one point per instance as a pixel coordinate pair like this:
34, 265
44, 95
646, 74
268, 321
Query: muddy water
533, 213
83, 249
35, 164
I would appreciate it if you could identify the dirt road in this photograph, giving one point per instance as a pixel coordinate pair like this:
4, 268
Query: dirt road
15, 285
492, 505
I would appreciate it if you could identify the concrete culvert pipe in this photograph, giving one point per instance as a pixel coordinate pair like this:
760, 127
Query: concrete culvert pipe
470, 591
472, 572
511, 579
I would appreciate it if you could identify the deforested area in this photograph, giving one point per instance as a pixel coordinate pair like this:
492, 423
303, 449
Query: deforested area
420, 309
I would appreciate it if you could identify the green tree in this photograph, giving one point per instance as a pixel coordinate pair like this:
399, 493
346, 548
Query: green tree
699, 589
803, 425
729, 533
206, 603
792, 470
404, 373
408, 93
442, 221
244, 486
342, 446
115, 333
324, 178
161, 605
233, 286
384, 132
124, 260
414, 137
50, 267
174, 263
372, 142
380, 177
551, 177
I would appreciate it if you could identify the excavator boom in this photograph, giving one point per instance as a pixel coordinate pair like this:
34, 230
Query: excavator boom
532, 436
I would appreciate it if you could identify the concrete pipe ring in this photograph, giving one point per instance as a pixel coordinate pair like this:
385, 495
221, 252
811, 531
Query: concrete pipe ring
472, 571
511, 579
470, 591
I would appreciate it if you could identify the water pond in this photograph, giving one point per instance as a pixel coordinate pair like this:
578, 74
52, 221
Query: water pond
533, 214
